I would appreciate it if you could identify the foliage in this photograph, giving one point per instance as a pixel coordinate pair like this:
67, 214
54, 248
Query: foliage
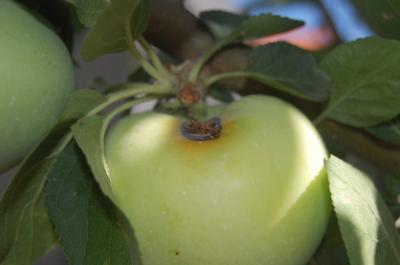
363, 94
388, 131
61, 192
110, 31
382, 15
73, 196
24, 221
365, 222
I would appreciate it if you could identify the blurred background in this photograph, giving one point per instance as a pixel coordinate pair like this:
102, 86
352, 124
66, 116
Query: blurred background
327, 23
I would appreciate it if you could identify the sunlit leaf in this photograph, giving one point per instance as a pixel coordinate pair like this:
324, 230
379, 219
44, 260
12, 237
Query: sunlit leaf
365, 222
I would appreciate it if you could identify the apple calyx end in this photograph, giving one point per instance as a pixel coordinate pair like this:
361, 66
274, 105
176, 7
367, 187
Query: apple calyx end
202, 131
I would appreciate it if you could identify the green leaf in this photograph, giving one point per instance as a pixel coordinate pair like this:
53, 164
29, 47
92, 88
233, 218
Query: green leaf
382, 15
392, 194
221, 94
388, 132
89, 133
392, 188
243, 28
89, 10
56, 15
222, 23
109, 35
290, 69
140, 18
234, 27
265, 25
81, 102
331, 251
365, 82
84, 219
25, 230
365, 222
139, 75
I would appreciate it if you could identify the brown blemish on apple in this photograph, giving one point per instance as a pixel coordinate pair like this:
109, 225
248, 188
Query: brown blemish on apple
187, 144
202, 131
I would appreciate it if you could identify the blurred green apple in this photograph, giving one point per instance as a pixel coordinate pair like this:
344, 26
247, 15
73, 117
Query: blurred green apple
36, 78
257, 195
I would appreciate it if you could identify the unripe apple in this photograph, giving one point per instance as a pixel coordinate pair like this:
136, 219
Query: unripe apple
256, 195
36, 78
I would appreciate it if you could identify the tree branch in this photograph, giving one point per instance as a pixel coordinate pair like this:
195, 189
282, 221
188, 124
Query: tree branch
175, 30
358, 142
329, 21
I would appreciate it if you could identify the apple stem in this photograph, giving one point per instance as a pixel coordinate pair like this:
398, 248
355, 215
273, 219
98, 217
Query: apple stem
154, 68
154, 58
192, 99
202, 131
189, 94
132, 90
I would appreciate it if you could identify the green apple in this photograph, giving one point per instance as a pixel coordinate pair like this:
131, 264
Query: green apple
36, 78
257, 195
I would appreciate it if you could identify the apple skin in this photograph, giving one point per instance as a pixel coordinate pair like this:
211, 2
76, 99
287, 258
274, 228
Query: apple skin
36, 78
258, 195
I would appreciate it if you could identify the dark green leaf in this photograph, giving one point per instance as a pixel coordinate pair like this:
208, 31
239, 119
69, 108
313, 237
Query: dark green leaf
392, 195
382, 15
139, 75
331, 250
264, 25
54, 14
289, 69
222, 23
140, 18
221, 94
25, 231
234, 27
88, 10
392, 188
109, 35
99, 84
388, 132
84, 219
365, 222
81, 102
365, 82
